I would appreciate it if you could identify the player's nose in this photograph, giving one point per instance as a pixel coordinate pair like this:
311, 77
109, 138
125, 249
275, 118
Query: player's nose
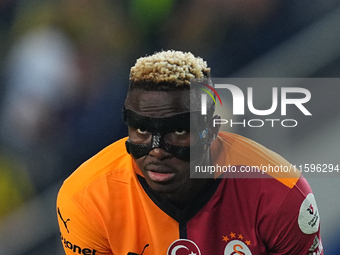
159, 153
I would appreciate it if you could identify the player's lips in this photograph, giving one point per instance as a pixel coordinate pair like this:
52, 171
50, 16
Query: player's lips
159, 173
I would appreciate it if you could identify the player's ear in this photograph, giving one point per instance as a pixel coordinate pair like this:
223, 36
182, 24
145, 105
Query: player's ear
214, 127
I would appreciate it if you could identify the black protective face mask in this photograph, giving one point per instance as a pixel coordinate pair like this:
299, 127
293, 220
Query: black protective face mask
159, 127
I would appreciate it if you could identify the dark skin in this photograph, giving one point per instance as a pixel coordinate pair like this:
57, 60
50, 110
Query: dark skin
167, 175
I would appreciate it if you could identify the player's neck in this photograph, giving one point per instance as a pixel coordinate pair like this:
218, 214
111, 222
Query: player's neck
182, 200
189, 192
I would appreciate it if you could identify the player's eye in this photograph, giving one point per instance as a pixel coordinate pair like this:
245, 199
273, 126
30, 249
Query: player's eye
139, 135
178, 137
142, 131
180, 131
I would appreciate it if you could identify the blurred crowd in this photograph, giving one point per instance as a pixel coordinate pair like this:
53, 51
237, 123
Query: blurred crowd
64, 67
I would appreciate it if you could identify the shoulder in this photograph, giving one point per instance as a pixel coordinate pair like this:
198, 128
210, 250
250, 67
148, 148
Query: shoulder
268, 177
112, 161
108, 178
253, 159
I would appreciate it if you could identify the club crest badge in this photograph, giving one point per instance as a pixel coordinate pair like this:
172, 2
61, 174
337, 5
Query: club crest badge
183, 247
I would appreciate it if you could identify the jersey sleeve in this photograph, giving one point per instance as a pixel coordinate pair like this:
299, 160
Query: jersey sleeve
295, 227
78, 233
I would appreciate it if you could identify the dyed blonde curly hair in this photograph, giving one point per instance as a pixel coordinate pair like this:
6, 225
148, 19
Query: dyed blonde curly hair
170, 67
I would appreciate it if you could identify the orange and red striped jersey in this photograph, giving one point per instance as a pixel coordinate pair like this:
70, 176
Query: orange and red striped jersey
106, 207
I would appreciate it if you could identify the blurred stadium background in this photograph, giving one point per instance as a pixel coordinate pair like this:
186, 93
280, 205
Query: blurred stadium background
64, 67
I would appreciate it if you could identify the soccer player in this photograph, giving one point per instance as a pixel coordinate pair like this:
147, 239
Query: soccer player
136, 196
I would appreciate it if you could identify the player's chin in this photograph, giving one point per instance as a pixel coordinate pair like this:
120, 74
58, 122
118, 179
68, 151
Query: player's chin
163, 187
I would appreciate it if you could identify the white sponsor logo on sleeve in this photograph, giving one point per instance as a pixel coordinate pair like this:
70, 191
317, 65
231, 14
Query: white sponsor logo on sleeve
309, 218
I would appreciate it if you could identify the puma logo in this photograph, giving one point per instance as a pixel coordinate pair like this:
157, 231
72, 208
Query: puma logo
65, 222
132, 253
